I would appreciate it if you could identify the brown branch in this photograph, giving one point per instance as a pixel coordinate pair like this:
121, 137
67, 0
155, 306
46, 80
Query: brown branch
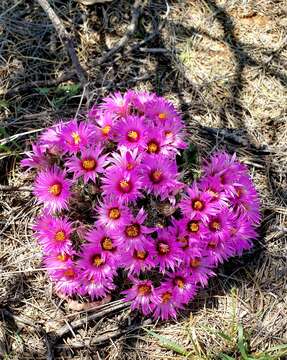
15, 188
65, 38
136, 12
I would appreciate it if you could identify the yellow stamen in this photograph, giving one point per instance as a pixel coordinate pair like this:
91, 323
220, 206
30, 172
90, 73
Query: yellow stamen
197, 205
163, 248
114, 213
60, 235
193, 226
179, 281
133, 135
70, 273
165, 297
97, 260
125, 186
156, 176
63, 257
140, 255
107, 244
152, 147
89, 164
130, 166
55, 189
105, 130
195, 262
168, 134
133, 230
144, 289
215, 225
162, 116
76, 138
212, 244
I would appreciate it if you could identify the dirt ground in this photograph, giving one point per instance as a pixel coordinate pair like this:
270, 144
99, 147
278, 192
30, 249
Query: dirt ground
224, 64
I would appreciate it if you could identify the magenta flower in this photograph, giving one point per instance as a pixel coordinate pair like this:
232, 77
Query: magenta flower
219, 225
198, 204
200, 269
117, 103
50, 138
218, 250
122, 184
168, 304
131, 132
156, 143
95, 263
133, 234
58, 261
136, 261
97, 288
52, 189
212, 185
182, 285
173, 133
112, 213
36, 158
105, 126
160, 110
195, 229
139, 100
127, 160
56, 238
167, 250
88, 165
160, 176
67, 280
76, 136
142, 296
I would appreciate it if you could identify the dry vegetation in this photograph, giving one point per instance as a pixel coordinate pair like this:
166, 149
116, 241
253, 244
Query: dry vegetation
224, 64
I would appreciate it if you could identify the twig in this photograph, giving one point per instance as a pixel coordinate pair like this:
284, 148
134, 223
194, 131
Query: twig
136, 12
40, 83
81, 322
15, 188
65, 38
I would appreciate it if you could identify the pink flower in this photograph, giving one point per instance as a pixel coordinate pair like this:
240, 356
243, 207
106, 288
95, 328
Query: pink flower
173, 133
198, 204
58, 261
142, 296
67, 280
200, 269
50, 138
122, 184
76, 136
168, 304
182, 285
88, 165
52, 189
160, 110
133, 234
219, 225
167, 250
56, 238
105, 126
139, 100
212, 185
117, 103
136, 261
160, 176
195, 229
97, 288
127, 160
36, 158
112, 213
218, 250
131, 132
156, 143
96, 263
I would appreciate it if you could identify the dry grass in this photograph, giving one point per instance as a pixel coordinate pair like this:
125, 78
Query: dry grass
224, 64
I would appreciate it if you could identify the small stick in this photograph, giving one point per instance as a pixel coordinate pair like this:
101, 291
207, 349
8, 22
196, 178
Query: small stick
15, 188
65, 38
137, 9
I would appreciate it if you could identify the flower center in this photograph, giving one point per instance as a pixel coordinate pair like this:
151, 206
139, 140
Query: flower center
213, 193
55, 189
195, 262
168, 134
114, 213
197, 205
107, 244
130, 166
212, 244
156, 176
193, 226
125, 186
144, 289
89, 164
183, 242
165, 297
162, 116
60, 235
63, 257
163, 248
76, 137
105, 130
70, 273
97, 261
132, 230
179, 281
215, 225
152, 147
133, 136
233, 231
140, 255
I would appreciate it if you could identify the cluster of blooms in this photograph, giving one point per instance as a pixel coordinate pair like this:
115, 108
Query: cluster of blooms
122, 162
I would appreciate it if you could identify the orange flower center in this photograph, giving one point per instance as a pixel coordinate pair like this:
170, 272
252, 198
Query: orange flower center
63, 257
133, 136
197, 205
76, 137
156, 176
163, 248
193, 226
195, 262
125, 186
183, 241
107, 244
152, 147
97, 260
70, 273
55, 189
130, 166
168, 134
133, 230
162, 116
212, 244
165, 297
89, 164
215, 225
140, 255
114, 213
213, 193
144, 289
60, 235
105, 130
179, 281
